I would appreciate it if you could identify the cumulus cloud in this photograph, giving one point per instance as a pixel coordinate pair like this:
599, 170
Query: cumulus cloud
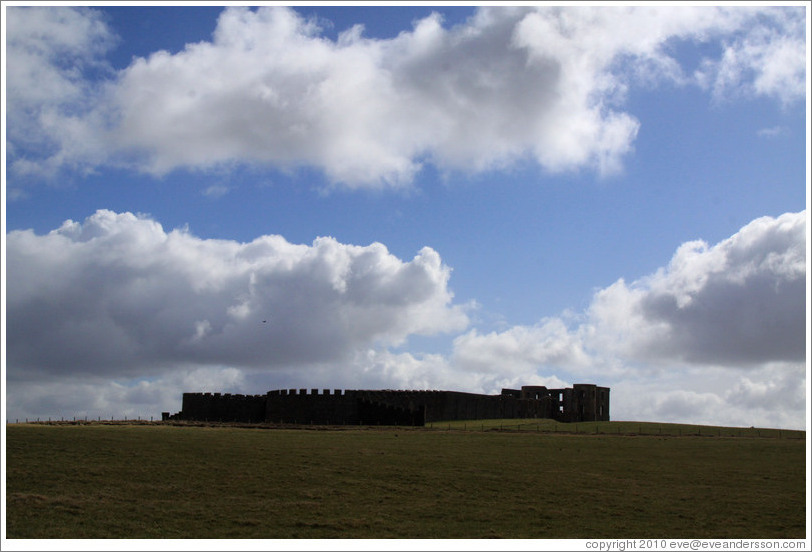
52, 111
771, 396
105, 398
435, 371
737, 303
521, 350
509, 84
118, 295
768, 59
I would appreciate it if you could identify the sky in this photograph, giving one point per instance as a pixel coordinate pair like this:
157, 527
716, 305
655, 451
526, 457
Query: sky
235, 199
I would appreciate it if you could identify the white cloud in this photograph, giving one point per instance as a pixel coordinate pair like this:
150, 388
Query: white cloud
772, 132
768, 59
117, 295
770, 396
509, 84
215, 191
384, 369
737, 303
48, 49
52, 110
771, 388
520, 350
105, 398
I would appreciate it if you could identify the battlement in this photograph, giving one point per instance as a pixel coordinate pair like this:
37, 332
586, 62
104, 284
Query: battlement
581, 402
225, 396
223, 407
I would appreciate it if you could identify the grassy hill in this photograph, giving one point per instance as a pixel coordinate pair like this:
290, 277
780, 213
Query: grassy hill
164, 481
618, 428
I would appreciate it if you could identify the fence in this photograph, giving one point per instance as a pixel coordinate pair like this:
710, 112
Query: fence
82, 419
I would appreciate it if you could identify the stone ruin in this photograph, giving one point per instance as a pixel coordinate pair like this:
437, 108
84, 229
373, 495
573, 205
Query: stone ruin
581, 403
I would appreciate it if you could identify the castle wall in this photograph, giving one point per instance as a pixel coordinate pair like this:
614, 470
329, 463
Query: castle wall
299, 407
585, 404
568, 412
222, 407
372, 412
590, 402
602, 399
582, 402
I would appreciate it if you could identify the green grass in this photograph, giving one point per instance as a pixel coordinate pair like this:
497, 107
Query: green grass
618, 428
161, 481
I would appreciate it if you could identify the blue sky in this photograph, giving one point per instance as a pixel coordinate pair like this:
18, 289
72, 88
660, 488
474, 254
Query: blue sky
561, 175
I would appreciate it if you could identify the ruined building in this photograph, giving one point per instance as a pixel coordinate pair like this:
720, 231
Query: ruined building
580, 403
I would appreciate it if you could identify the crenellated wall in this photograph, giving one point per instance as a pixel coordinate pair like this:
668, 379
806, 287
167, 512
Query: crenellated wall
582, 402
297, 406
219, 407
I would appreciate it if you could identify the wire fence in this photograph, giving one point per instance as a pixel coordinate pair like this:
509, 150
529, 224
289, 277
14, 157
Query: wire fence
83, 419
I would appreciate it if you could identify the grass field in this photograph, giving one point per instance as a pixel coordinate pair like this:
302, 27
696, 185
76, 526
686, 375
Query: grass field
162, 481
618, 428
